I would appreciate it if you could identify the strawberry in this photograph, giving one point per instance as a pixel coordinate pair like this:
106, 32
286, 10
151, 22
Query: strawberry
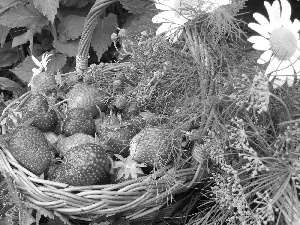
116, 134
88, 97
43, 83
152, 146
38, 107
45, 121
78, 120
86, 164
30, 147
66, 143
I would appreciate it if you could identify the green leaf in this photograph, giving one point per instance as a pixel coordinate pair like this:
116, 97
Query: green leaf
6, 4
56, 62
9, 85
47, 7
24, 70
69, 48
8, 55
23, 38
136, 6
101, 38
23, 16
70, 28
74, 3
4, 30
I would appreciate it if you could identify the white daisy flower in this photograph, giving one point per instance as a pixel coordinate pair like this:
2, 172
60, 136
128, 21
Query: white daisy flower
280, 41
175, 13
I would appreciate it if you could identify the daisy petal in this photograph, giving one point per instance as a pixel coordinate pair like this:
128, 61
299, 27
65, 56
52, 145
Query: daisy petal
165, 27
265, 57
276, 11
296, 26
271, 15
263, 44
296, 66
279, 81
168, 17
285, 69
262, 21
259, 29
273, 66
286, 10
165, 4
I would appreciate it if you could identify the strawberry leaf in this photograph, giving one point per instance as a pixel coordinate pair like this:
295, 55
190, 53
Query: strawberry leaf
47, 7
71, 27
74, 3
7, 84
24, 70
69, 48
8, 55
23, 16
23, 38
56, 62
4, 30
101, 38
136, 6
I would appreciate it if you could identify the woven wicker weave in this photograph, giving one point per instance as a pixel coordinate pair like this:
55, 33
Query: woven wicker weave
136, 198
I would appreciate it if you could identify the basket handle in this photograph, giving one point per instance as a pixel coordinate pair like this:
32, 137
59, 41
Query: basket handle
86, 36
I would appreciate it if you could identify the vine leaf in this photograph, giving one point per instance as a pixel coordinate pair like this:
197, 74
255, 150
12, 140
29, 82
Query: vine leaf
8, 55
136, 6
69, 48
47, 7
23, 38
71, 27
7, 84
75, 3
57, 61
3, 34
101, 38
23, 16
24, 70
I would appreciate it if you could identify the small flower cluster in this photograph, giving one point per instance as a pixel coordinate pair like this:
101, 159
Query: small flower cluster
238, 140
252, 94
265, 209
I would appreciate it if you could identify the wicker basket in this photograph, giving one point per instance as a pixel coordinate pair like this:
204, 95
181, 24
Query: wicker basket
134, 198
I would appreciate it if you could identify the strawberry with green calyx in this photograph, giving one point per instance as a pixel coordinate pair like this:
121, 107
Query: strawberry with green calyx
37, 107
116, 134
88, 97
30, 148
41, 81
78, 120
152, 146
64, 144
85, 164
126, 169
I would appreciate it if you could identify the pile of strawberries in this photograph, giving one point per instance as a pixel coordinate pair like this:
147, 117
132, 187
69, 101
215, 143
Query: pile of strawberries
77, 139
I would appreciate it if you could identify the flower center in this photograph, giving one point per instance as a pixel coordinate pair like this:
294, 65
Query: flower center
283, 43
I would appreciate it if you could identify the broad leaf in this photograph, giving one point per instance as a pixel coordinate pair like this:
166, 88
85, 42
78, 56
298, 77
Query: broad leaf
74, 3
4, 30
69, 48
23, 16
56, 62
137, 6
70, 28
24, 70
101, 38
47, 7
8, 55
6, 4
7, 84
23, 38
